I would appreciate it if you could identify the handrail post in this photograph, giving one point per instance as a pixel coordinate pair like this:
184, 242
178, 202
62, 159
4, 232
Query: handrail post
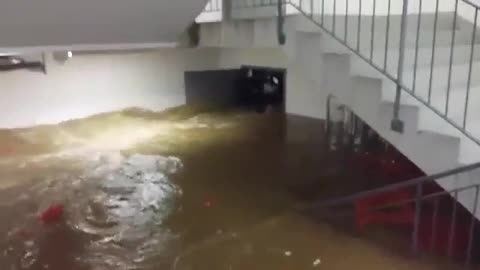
328, 123
418, 209
280, 23
397, 124
227, 10
44, 63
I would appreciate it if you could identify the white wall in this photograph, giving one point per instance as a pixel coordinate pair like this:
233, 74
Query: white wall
94, 83
234, 58
213, 12
304, 96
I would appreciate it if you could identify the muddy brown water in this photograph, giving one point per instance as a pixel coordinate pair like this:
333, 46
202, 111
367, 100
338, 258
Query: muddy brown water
224, 206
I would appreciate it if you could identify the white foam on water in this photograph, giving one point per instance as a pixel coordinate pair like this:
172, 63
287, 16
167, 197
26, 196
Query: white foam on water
121, 200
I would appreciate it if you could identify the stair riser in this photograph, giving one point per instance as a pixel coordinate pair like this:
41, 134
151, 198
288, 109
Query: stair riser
461, 55
444, 22
443, 39
439, 81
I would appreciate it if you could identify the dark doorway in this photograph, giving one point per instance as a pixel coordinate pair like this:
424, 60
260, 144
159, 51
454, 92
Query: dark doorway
261, 89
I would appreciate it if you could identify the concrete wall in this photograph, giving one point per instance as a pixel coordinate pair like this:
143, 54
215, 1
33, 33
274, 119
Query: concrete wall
304, 96
381, 7
94, 83
213, 12
235, 58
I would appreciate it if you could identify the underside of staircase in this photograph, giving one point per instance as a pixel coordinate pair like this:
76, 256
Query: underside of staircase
322, 53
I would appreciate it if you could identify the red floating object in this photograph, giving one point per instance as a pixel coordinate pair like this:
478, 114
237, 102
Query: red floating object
207, 204
22, 233
366, 214
52, 214
7, 150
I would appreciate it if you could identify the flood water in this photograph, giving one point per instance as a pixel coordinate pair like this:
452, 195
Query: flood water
185, 189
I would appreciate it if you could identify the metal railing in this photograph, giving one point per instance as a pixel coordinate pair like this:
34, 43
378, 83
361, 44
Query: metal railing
213, 6
254, 3
417, 50
427, 203
342, 126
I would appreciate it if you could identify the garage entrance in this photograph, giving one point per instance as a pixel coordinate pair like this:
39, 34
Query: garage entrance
260, 89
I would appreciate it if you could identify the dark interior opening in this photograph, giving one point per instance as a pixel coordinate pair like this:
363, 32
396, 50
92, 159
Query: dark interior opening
10, 63
260, 89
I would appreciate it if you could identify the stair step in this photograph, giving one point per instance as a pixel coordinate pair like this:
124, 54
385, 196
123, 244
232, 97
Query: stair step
444, 22
469, 152
456, 112
439, 82
379, 115
457, 103
443, 39
461, 55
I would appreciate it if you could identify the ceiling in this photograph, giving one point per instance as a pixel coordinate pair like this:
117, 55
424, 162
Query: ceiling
27, 25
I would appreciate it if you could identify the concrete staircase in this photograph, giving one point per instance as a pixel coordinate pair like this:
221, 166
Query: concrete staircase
428, 140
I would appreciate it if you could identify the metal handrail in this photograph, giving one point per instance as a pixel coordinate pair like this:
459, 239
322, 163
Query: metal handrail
417, 200
280, 23
404, 184
397, 125
349, 131
328, 115
475, 5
